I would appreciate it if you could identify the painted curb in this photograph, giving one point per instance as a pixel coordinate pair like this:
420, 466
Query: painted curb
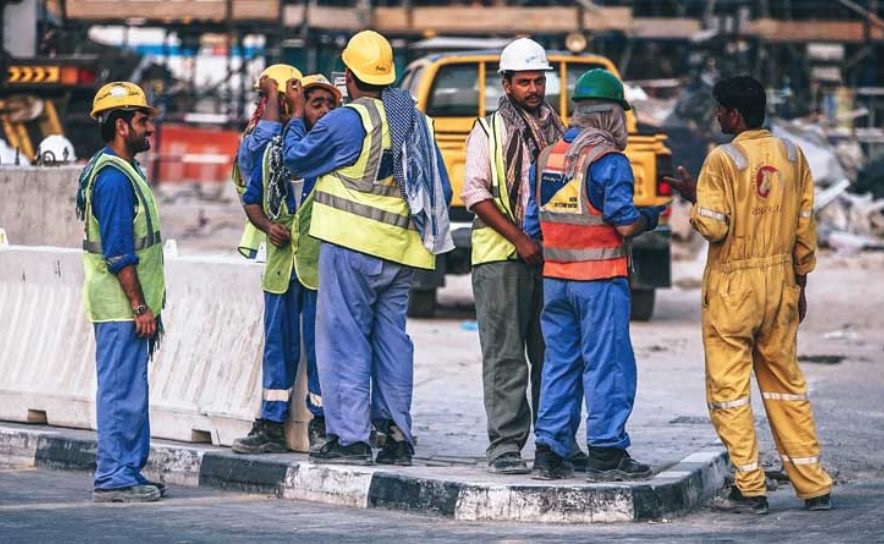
464, 494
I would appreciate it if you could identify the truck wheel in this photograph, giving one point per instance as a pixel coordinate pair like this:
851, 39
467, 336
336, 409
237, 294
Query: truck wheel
642, 304
422, 303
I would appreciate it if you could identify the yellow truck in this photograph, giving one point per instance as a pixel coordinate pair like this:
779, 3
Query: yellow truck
456, 88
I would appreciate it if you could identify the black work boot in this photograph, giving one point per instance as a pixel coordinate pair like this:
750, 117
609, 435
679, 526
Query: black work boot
395, 452
818, 504
135, 493
613, 464
316, 432
333, 453
578, 459
508, 463
735, 503
548, 465
265, 437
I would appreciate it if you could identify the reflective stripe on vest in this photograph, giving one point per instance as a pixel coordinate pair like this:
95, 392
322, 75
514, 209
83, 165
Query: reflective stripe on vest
577, 243
488, 245
355, 210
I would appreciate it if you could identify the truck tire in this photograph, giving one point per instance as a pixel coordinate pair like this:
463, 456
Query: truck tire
422, 303
642, 304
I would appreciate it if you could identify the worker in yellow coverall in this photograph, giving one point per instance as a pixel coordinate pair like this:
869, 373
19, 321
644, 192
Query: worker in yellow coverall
753, 202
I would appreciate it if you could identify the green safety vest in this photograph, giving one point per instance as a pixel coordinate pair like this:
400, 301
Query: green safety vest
103, 296
488, 244
252, 237
352, 208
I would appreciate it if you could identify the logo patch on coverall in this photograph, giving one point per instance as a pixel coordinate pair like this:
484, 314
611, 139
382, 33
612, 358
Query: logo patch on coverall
765, 179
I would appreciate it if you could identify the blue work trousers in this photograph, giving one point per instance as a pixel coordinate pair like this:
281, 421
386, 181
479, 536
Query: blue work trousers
586, 330
286, 316
365, 357
121, 405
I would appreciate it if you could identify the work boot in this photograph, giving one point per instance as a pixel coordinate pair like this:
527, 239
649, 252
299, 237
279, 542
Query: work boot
548, 465
735, 503
135, 493
578, 460
316, 432
508, 463
333, 453
265, 437
613, 464
395, 452
818, 504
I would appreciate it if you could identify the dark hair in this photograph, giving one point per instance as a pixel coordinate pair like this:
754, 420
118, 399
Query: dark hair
744, 94
367, 87
109, 126
508, 75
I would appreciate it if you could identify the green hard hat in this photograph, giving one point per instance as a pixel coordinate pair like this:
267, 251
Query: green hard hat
600, 84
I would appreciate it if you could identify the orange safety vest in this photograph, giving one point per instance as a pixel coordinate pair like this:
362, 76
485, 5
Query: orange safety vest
577, 242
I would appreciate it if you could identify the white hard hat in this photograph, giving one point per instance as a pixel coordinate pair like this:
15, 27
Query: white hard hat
523, 55
56, 149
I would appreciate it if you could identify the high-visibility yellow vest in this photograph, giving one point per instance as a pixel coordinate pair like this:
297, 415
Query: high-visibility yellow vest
252, 237
488, 244
103, 296
280, 260
352, 208
306, 247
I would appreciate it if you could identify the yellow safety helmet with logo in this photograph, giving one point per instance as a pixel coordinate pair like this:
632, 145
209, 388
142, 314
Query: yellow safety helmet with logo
318, 80
280, 73
369, 56
120, 95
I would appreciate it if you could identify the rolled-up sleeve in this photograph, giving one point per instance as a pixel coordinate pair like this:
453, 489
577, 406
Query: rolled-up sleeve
477, 170
253, 144
804, 252
710, 216
113, 203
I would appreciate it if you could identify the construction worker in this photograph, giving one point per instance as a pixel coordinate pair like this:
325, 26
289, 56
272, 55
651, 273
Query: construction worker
753, 202
124, 290
290, 279
581, 202
367, 155
259, 130
506, 261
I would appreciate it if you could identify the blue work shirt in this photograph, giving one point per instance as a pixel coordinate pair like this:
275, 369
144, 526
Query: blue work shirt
334, 142
252, 146
610, 187
113, 205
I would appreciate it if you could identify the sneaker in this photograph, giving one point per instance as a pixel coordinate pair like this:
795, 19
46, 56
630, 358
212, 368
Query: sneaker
316, 432
508, 463
578, 460
550, 466
735, 503
333, 453
818, 504
395, 452
265, 437
135, 493
613, 464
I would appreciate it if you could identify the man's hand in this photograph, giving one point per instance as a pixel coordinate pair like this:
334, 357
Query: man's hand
269, 88
145, 325
802, 306
686, 186
294, 96
529, 250
278, 234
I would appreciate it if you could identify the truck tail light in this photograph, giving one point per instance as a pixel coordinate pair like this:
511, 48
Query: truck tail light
78, 75
664, 168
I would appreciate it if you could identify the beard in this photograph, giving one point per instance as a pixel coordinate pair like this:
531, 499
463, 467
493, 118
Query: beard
138, 143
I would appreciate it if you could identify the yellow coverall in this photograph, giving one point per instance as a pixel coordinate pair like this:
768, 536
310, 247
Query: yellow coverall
755, 207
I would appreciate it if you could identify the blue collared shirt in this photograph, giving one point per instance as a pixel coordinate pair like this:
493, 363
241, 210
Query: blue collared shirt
113, 204
610, 186
252, 146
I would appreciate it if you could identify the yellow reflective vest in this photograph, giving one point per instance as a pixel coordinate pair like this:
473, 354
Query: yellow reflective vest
354, 209
488, 244
103, 296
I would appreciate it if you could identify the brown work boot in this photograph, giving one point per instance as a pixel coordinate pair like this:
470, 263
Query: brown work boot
735, 503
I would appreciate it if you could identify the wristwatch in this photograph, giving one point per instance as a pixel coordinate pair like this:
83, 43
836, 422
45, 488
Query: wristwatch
139, 310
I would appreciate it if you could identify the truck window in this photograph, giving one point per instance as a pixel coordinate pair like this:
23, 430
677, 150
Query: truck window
574, 71
494, 90
455, 91
411, 79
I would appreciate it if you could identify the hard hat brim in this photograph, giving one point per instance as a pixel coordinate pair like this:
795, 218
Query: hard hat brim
548, 68
328, 87
150, 110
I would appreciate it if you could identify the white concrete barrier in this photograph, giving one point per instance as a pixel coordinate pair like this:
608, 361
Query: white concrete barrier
205, 381
38, 205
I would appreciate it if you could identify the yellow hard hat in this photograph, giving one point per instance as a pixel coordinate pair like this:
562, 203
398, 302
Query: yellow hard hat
369, 56
318, 80
120, 95
280, 73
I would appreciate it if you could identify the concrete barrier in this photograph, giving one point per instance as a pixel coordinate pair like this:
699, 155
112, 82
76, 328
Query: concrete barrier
38, 205
205, 381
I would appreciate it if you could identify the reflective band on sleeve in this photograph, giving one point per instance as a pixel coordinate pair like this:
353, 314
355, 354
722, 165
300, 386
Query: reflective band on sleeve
712, 214
791, 152
784, 396
747, 468
140, 243
812, 460
277, 395
729, 404
805, 214
315, 400
735, 155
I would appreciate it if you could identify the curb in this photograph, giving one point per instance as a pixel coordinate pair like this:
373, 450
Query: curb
466, 494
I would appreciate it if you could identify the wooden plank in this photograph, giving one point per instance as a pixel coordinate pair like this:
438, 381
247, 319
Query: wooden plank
171, 10
663, 28
773, 30
323, 18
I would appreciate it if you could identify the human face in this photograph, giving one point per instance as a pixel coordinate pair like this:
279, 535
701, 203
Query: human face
319, 102
526, 89
728, 118
137, 132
